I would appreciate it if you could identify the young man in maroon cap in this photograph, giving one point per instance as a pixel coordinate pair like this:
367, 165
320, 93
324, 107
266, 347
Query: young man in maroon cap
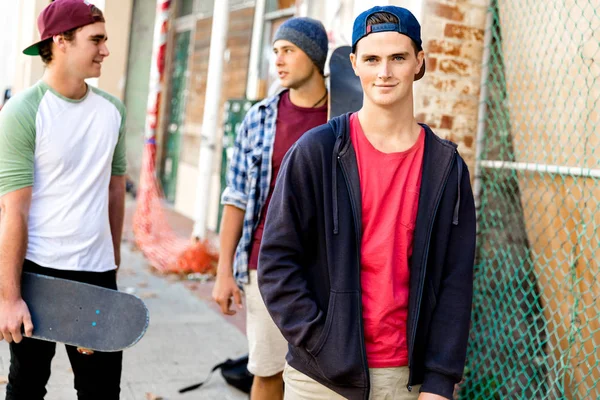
366, 262
62, 192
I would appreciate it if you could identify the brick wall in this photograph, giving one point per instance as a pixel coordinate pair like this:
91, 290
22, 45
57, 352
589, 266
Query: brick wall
235, 74
447, 98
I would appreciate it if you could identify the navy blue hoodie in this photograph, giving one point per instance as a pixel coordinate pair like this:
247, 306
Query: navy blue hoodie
309, 264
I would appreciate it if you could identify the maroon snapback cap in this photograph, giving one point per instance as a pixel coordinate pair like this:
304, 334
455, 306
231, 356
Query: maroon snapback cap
61, 16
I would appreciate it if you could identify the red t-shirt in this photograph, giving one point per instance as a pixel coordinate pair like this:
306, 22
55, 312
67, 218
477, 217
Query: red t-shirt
292, 122
389, 184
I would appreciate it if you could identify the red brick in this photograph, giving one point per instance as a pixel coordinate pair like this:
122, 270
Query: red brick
443, 84
468, 141
443, 47
431, 64
463, 32
449, 12
446, 122
465, 106
454, 67
470, 89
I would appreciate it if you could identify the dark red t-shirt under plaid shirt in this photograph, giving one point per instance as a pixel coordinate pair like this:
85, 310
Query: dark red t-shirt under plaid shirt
292, 122
389, 185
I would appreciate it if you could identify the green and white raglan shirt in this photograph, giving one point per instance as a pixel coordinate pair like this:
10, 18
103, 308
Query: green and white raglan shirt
67, 151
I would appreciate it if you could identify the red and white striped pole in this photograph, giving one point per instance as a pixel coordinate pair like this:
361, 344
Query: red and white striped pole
157, 71
160, 244
148, 201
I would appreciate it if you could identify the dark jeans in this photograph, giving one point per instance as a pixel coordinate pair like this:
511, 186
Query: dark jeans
97, 376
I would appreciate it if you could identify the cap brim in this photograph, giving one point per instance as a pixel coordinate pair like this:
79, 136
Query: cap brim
34, 49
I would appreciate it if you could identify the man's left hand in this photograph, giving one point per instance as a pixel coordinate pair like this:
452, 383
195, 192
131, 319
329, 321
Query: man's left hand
431, 396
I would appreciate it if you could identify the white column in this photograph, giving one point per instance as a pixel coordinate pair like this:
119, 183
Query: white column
218, 42
256, 50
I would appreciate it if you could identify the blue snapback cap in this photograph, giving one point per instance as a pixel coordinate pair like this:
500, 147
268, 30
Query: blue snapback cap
407, 25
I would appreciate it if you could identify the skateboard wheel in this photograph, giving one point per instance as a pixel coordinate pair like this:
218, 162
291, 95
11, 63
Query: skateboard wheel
84, 351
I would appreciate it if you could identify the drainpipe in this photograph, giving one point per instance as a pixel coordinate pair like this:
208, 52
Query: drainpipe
256, 50
214, 83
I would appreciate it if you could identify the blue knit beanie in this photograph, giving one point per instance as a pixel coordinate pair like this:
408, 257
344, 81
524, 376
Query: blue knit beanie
309, 35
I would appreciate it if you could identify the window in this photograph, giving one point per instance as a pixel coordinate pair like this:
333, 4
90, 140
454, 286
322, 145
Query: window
275, 5
185, 7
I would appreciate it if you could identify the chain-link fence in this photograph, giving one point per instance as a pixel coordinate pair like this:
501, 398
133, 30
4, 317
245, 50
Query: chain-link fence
536, 321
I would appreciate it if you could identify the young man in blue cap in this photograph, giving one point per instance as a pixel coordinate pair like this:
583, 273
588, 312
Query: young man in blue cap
269, 129
62, 194
367, 257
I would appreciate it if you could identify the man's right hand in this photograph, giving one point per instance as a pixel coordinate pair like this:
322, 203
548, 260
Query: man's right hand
225, 288
13, 315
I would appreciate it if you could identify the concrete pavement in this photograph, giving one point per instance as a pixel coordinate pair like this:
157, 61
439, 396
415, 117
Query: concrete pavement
186, 337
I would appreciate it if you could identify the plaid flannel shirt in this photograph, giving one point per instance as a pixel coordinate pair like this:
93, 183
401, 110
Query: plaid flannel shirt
249, 175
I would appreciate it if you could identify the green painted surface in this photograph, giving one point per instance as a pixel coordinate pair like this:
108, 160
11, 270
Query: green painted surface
176, 115
235, 111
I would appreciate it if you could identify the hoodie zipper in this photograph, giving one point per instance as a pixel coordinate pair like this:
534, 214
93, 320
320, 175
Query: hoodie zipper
358, 243
422, 282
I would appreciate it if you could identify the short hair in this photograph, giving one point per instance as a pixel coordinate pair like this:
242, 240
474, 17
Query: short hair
45, 48
383, 17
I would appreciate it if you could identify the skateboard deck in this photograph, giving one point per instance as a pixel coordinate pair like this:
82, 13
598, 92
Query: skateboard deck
345, 91
83, 315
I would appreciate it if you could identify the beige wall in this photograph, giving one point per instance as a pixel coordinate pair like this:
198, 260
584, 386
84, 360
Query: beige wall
28, 69
118, 16
118, 27
8, 44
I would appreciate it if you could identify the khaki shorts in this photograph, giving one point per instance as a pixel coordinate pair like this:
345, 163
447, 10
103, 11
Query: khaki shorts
386, 384
266, 345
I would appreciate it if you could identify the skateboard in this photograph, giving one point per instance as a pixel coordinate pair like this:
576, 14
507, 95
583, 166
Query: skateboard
82, 315
345, 91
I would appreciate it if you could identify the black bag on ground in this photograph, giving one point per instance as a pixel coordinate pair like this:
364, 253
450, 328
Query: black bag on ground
235, 372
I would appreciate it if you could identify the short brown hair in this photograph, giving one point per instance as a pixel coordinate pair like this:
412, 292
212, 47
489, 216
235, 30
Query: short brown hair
45, 48
388, 18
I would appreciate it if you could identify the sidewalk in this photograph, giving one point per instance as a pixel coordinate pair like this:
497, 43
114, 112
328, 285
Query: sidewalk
186, 337
183, 226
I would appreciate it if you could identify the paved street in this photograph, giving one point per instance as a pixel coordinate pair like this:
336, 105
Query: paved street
185, 339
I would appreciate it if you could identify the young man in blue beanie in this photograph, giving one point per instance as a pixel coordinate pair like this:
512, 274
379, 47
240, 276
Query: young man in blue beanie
367, 258
269, 129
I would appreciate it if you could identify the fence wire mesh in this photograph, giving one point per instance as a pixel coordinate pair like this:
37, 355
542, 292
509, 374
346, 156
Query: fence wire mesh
536, 321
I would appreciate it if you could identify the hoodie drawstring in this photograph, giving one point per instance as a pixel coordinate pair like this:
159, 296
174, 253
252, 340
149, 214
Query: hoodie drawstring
334, 190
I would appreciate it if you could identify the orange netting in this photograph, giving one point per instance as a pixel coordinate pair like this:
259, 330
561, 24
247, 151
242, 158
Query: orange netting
164, 249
